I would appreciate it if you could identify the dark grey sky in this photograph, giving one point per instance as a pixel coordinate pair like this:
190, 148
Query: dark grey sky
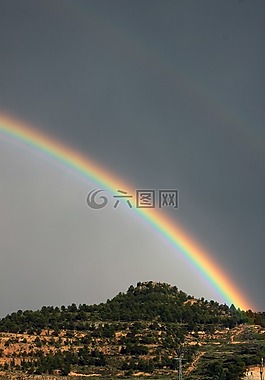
167, 94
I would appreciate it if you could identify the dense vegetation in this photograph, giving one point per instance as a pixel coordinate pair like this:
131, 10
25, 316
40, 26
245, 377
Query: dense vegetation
142, 330
148, 301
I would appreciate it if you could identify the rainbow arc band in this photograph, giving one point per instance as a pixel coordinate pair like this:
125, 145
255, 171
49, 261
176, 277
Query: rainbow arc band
182, 242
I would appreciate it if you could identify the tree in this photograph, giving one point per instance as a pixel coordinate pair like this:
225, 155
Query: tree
65, 368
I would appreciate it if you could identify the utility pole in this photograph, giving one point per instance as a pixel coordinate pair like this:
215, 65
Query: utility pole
261, 369
180, 353
180, 367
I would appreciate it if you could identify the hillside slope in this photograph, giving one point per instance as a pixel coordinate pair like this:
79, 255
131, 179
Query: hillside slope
140, 332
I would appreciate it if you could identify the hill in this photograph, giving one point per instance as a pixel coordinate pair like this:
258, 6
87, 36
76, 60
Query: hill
140, 332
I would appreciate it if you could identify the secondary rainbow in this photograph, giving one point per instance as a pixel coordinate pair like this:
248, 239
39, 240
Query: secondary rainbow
182, 242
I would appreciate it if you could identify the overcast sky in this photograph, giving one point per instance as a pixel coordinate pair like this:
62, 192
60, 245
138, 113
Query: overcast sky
166, 94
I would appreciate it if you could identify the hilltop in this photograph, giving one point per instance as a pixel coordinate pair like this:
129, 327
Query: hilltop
139, 332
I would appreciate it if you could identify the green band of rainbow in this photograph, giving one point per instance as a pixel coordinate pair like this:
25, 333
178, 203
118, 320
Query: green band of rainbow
174, 234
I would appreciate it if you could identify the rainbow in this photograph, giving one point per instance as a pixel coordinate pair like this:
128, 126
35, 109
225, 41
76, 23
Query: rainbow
173, 233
